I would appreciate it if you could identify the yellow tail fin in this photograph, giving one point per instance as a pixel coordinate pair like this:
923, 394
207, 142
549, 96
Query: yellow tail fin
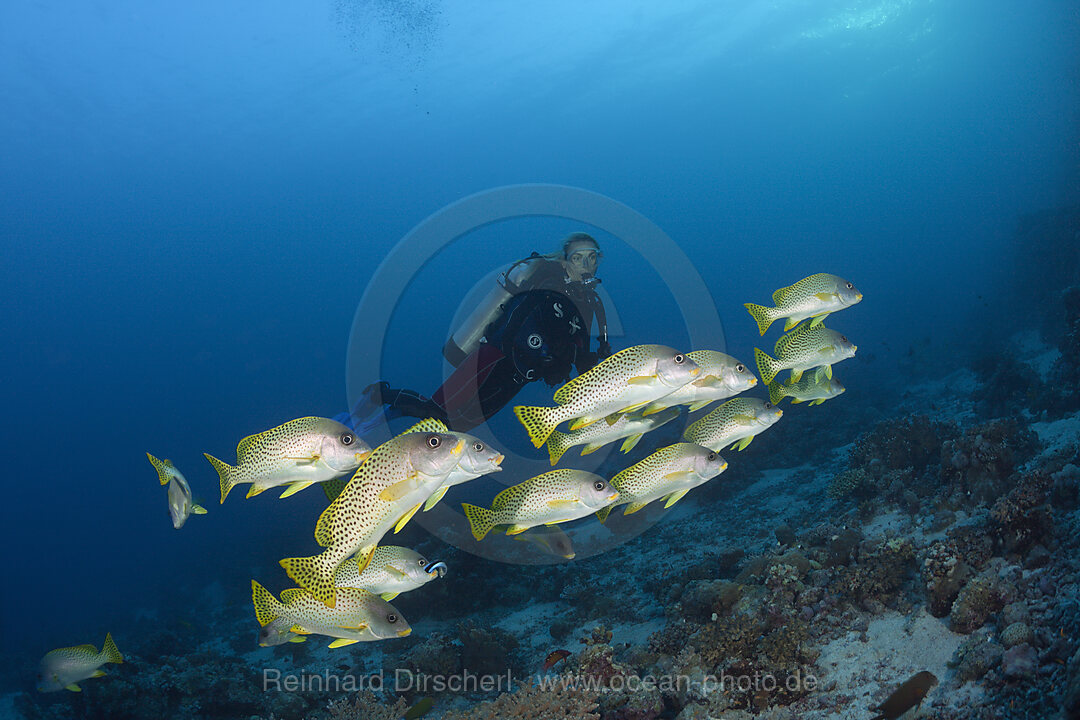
110, 651
777, 392
267, 608
556, 445
162, 470
762, 316
315, 574
767, 367
225, 473
481, 520
538, 421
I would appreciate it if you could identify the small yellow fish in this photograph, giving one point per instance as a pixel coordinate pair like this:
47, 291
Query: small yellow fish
385, 492
299, 453
668, 473
814, 387
735, 422
628, 380
278, 632
391, 571
812, 297
166, 471
552, 540
181, 504
631, 426
360, 616
804, 348
721, 377
553, 497
63, 668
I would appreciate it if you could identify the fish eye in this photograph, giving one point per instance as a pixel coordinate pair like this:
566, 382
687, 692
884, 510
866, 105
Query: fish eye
599, 485
768, 405
740, 368
712, 456
843, 339
391, 618
347, 439
433, 441
679, 359
850, 286
421, 562
478, 446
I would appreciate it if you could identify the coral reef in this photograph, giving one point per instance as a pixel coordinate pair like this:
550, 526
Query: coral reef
979, 654
559, 701
978, 465
478, 650
1022, 517
848, 482
913, 442
878, 574
198, 685
367, 706
983, 596
944, 573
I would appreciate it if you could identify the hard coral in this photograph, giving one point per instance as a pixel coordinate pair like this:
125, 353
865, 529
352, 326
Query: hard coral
367, 706
979, 464
485, 651
983, 596
558, 701
438, 655
944, 574
1022, 517
849, 482
1005, 384
976, 656
913, 442
878, 573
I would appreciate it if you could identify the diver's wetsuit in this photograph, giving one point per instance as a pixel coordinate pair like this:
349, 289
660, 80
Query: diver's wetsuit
541, 334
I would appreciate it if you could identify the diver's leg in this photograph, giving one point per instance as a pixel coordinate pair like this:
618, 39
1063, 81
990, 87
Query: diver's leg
392, 403
500, 387
412, 404
463, 391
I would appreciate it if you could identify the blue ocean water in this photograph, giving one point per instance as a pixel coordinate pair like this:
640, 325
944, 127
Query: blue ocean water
195, 198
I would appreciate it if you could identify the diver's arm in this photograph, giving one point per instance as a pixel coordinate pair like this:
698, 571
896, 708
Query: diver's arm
520, 277
586, 359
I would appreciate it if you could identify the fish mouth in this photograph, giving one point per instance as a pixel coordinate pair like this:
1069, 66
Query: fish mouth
458, 449
497, 462
403, 633
362, 456
858, 296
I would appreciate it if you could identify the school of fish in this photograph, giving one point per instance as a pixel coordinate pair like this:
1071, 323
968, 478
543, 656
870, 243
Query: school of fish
344, 591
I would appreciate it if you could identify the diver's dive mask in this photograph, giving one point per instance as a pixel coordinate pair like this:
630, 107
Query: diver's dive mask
584, 261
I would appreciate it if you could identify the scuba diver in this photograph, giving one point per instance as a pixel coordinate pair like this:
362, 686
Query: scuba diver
533, 325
